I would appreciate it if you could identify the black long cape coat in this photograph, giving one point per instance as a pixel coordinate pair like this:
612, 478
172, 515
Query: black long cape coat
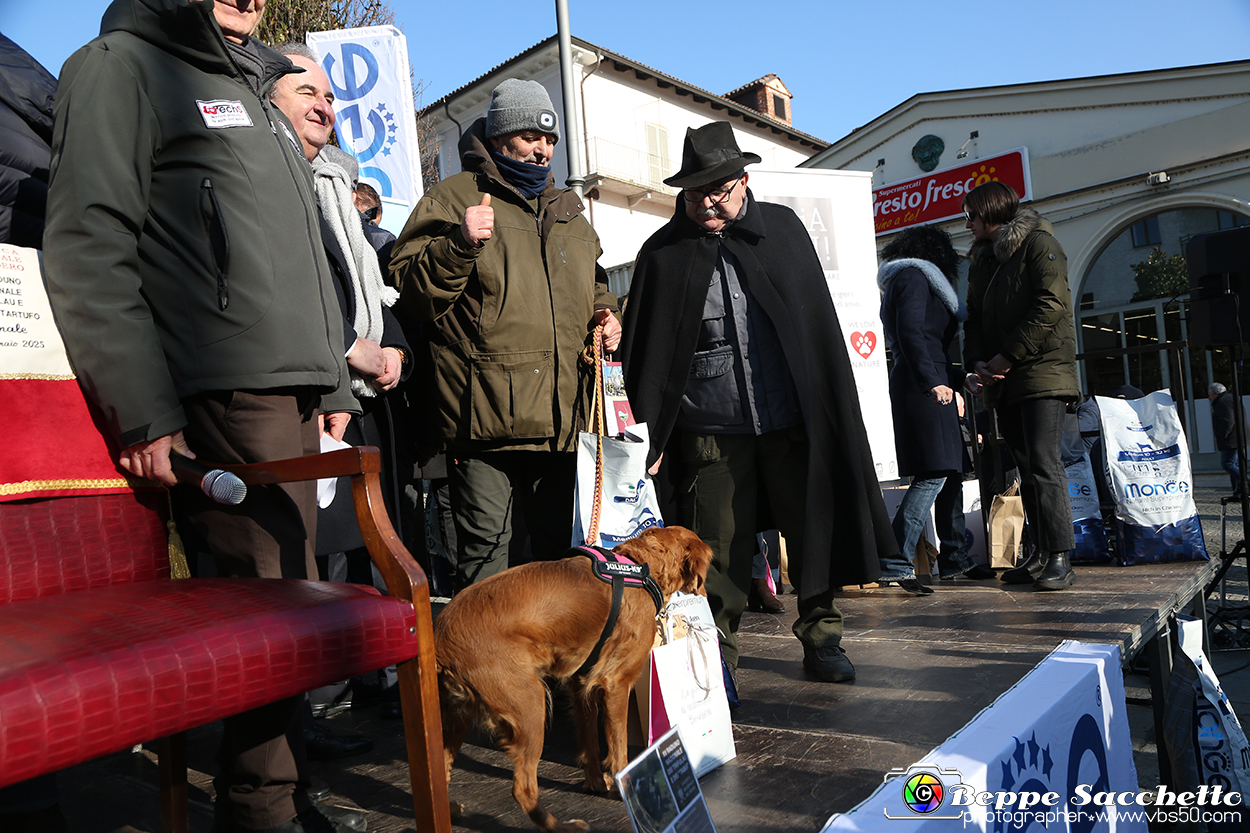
847, 526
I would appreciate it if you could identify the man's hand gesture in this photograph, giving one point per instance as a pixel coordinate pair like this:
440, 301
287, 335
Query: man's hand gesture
478, 223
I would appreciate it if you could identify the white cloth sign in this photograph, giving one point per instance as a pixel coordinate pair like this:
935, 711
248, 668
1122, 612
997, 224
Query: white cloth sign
374, 116
30, 343
1148, 458
836, 209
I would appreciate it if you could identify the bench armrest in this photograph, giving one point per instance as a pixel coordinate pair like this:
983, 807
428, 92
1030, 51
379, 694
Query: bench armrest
403, 576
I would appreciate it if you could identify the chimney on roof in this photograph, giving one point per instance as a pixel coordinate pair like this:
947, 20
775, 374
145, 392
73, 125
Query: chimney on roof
765, 95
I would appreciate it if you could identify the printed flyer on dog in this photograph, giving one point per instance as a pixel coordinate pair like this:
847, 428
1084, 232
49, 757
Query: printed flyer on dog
660, 790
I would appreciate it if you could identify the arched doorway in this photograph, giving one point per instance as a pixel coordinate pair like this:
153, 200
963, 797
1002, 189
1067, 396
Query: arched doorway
1134, 295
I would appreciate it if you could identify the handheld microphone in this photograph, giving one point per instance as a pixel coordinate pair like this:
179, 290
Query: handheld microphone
221, 486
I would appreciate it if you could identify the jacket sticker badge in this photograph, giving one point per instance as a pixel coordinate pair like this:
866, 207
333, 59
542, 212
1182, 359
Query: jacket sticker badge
221, 113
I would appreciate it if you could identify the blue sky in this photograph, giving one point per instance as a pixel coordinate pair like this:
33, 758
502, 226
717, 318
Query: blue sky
845, 63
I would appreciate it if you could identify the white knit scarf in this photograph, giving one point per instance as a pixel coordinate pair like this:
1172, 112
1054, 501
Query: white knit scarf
334, 195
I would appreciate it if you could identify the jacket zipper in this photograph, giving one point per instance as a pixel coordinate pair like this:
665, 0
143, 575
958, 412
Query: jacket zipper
218, 240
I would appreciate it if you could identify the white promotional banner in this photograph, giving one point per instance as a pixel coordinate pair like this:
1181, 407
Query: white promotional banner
836, 208
374, 116
1052, 753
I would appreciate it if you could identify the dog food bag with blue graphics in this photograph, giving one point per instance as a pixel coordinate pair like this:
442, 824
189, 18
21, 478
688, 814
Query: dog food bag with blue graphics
1151, 478
1087, 527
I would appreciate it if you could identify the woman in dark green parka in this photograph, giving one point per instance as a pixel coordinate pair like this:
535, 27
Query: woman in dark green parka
1019, 339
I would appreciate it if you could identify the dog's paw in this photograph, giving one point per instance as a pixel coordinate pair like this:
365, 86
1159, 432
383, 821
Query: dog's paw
572, 826
457, 810
602, 783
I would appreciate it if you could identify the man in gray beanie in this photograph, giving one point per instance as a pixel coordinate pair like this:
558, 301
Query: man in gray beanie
500, 267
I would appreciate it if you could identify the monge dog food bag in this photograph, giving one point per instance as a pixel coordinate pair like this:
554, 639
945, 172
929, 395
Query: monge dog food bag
1087, 528
1148, 459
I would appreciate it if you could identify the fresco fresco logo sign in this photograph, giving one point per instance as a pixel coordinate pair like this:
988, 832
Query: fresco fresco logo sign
939, 196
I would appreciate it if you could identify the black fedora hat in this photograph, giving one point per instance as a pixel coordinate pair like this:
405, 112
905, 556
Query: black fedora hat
710, 154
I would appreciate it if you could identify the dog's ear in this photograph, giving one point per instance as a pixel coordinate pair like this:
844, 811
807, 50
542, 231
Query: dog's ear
698, 559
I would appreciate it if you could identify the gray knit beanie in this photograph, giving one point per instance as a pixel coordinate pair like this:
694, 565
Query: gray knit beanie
518, 105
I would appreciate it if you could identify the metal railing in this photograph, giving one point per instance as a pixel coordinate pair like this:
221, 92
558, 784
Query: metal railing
637, 167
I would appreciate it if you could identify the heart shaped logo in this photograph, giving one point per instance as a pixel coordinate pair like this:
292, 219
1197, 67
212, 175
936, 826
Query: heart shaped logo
864, 343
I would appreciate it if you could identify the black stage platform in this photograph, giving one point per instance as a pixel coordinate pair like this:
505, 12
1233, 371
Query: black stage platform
926, 666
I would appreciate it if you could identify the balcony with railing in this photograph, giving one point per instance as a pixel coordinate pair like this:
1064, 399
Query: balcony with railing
625, 170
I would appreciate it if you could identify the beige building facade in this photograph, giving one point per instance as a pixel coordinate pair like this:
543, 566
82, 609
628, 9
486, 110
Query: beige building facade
1120, 165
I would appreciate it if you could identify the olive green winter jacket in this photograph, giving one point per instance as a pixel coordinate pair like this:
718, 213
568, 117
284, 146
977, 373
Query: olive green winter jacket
505, 322
1019, 305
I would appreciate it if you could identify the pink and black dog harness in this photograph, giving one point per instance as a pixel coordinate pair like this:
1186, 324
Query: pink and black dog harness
619, 571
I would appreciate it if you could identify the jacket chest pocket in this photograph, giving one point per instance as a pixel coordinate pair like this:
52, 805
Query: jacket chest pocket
711, 396
512, 395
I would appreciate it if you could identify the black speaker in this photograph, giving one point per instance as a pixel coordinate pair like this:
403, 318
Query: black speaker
1219, 287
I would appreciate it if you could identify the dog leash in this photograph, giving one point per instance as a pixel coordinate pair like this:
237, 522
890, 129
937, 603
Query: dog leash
618, 571
594, 354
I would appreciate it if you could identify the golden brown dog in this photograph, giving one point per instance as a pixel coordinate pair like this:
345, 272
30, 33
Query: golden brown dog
499, 640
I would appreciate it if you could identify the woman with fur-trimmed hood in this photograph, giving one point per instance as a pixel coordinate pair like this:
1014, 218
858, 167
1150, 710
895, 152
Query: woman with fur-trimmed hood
921, 314
1019, 339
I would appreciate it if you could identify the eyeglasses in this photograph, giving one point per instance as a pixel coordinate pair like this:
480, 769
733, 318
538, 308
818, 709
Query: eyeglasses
717, 197
970, 216
370, 213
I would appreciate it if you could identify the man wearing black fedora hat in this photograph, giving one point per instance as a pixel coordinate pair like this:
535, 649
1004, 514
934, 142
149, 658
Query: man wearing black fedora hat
734, 357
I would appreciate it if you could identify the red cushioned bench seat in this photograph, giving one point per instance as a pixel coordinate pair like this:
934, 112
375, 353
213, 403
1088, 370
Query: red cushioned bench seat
101, 650
88, 673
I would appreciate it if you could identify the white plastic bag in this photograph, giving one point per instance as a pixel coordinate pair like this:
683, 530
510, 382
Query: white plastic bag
627, 502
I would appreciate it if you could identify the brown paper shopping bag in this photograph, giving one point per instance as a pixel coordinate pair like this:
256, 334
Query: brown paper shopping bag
1006, 537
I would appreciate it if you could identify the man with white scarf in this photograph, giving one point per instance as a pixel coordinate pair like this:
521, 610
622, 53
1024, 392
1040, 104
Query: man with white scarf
306, 100
376, 351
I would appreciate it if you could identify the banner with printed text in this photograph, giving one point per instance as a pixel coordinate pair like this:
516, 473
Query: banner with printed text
374, 116
1053, 753
939, 196
835, 206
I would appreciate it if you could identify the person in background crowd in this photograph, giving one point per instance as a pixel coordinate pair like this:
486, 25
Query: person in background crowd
501, 266
171, 184
735, 359
1019, 339
1224, 425
369, 204
921, 314
27, 91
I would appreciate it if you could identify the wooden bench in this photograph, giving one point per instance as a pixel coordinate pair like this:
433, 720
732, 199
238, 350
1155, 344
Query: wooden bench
100, 649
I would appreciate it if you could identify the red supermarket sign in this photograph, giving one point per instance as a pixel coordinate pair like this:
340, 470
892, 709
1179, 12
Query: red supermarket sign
939, 196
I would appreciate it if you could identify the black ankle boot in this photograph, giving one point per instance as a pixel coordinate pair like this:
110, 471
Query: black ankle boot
1027, 572
1057, 574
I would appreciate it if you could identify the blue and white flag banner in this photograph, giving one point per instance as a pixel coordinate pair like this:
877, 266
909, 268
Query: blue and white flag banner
374, 116
1052, 753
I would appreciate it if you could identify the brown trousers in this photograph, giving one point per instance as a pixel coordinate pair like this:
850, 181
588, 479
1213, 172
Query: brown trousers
270, 535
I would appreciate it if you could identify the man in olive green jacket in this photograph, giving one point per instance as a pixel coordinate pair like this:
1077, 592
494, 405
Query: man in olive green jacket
501, 268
